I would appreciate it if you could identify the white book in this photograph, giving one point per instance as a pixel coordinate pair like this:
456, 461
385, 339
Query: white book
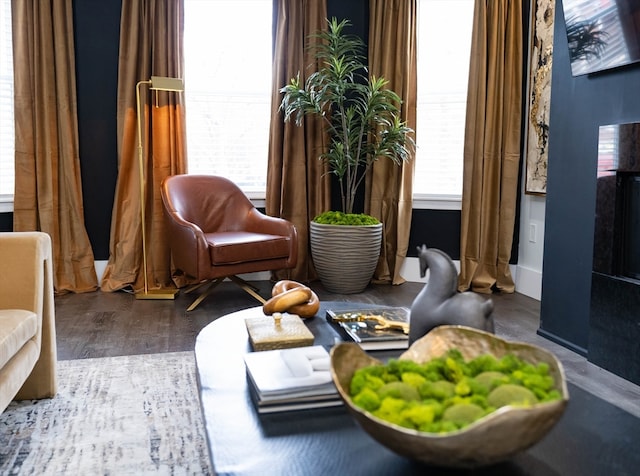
292, 374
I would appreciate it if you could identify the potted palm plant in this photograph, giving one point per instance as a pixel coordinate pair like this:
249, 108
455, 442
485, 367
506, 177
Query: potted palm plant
362, 124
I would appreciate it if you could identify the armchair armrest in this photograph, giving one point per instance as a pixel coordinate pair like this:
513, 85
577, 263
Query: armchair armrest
260, 223
27, 283
188, 243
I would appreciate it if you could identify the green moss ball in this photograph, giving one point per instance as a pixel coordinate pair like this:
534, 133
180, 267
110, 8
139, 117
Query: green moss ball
511, 394
491, 379
462, 414
398, 390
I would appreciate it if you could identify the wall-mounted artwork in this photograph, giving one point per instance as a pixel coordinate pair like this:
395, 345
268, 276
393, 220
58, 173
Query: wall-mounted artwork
539, 96
602, 35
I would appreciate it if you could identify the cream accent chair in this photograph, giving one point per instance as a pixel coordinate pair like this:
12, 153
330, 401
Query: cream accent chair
27, 318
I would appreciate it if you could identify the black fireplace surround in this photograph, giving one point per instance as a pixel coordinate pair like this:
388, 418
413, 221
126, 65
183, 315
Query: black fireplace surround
614, 324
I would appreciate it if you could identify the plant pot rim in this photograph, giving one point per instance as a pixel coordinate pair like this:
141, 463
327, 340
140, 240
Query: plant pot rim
346, 226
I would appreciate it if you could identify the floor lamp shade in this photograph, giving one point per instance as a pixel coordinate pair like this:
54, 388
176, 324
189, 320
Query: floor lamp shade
156, 83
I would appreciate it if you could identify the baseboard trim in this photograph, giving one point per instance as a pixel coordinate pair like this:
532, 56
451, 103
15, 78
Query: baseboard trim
563, 342
100, 267
528, 281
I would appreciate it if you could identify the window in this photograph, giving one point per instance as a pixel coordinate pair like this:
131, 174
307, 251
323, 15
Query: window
444, 46
228, 48
6, 108
228, 92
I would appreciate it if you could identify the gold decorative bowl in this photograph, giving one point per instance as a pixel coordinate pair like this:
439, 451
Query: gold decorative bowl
489, 440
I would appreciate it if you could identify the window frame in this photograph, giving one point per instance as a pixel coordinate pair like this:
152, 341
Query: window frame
436, 201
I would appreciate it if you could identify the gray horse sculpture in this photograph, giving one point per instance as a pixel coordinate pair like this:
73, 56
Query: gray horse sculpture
440, 303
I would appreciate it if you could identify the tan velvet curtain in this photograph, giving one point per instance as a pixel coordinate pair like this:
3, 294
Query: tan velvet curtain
48, 191
297, 188
492, 146
392, 55
151, 44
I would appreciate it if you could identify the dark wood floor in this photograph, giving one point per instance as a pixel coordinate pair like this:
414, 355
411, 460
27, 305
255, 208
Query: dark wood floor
107, 324
102, 324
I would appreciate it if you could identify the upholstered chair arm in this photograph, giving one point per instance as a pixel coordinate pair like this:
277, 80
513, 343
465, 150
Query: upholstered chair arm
189, 248
26, 282
260, 223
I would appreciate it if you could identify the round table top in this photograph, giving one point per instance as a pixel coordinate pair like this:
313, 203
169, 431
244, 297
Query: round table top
241, 441
328, 441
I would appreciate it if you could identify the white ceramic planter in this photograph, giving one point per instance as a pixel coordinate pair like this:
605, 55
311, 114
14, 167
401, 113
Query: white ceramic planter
345, 257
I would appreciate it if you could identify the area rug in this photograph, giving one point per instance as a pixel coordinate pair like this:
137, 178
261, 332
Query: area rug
130, 415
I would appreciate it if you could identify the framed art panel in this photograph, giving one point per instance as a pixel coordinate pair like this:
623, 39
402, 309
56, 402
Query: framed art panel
539, 96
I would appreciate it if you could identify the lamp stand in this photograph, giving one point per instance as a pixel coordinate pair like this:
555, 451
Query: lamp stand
147, 293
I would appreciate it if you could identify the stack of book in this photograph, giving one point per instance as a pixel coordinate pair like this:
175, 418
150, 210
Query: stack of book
291, 379
381, 328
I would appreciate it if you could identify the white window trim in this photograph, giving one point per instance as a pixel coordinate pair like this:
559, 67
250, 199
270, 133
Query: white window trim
6, 203
436, 202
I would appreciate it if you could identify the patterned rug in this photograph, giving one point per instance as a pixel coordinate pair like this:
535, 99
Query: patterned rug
130, 415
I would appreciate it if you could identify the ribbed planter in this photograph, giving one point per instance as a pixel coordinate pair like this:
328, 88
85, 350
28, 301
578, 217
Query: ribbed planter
345, 256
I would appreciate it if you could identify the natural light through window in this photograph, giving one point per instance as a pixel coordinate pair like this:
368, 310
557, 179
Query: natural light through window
228, 89
444, 45
228, 48
6, 105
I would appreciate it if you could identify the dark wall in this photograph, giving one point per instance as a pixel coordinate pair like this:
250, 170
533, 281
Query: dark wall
579, 105
6, 221
97, 36
356, 11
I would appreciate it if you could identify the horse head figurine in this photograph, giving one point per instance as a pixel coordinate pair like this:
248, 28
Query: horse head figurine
439, 302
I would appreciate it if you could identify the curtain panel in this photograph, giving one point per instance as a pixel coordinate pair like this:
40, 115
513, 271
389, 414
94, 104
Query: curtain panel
151, 44
298, 186
48, 189
492, 146
393, 55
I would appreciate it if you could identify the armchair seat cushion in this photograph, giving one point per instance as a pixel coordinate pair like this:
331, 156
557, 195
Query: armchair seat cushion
17, 327
240, 246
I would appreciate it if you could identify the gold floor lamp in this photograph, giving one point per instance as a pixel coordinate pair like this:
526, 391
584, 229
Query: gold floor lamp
156, 83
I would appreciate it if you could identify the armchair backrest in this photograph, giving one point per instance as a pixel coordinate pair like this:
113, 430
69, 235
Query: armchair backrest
24, 280
213, 203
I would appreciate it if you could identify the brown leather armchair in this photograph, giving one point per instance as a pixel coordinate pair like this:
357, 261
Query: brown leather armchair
215, 233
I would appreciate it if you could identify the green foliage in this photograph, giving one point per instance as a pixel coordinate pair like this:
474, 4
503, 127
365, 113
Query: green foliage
420, 416
361, 116
414, 379
439, 389
448, 393
340, 218
368, 399
362, 380
483, 363
391, 410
